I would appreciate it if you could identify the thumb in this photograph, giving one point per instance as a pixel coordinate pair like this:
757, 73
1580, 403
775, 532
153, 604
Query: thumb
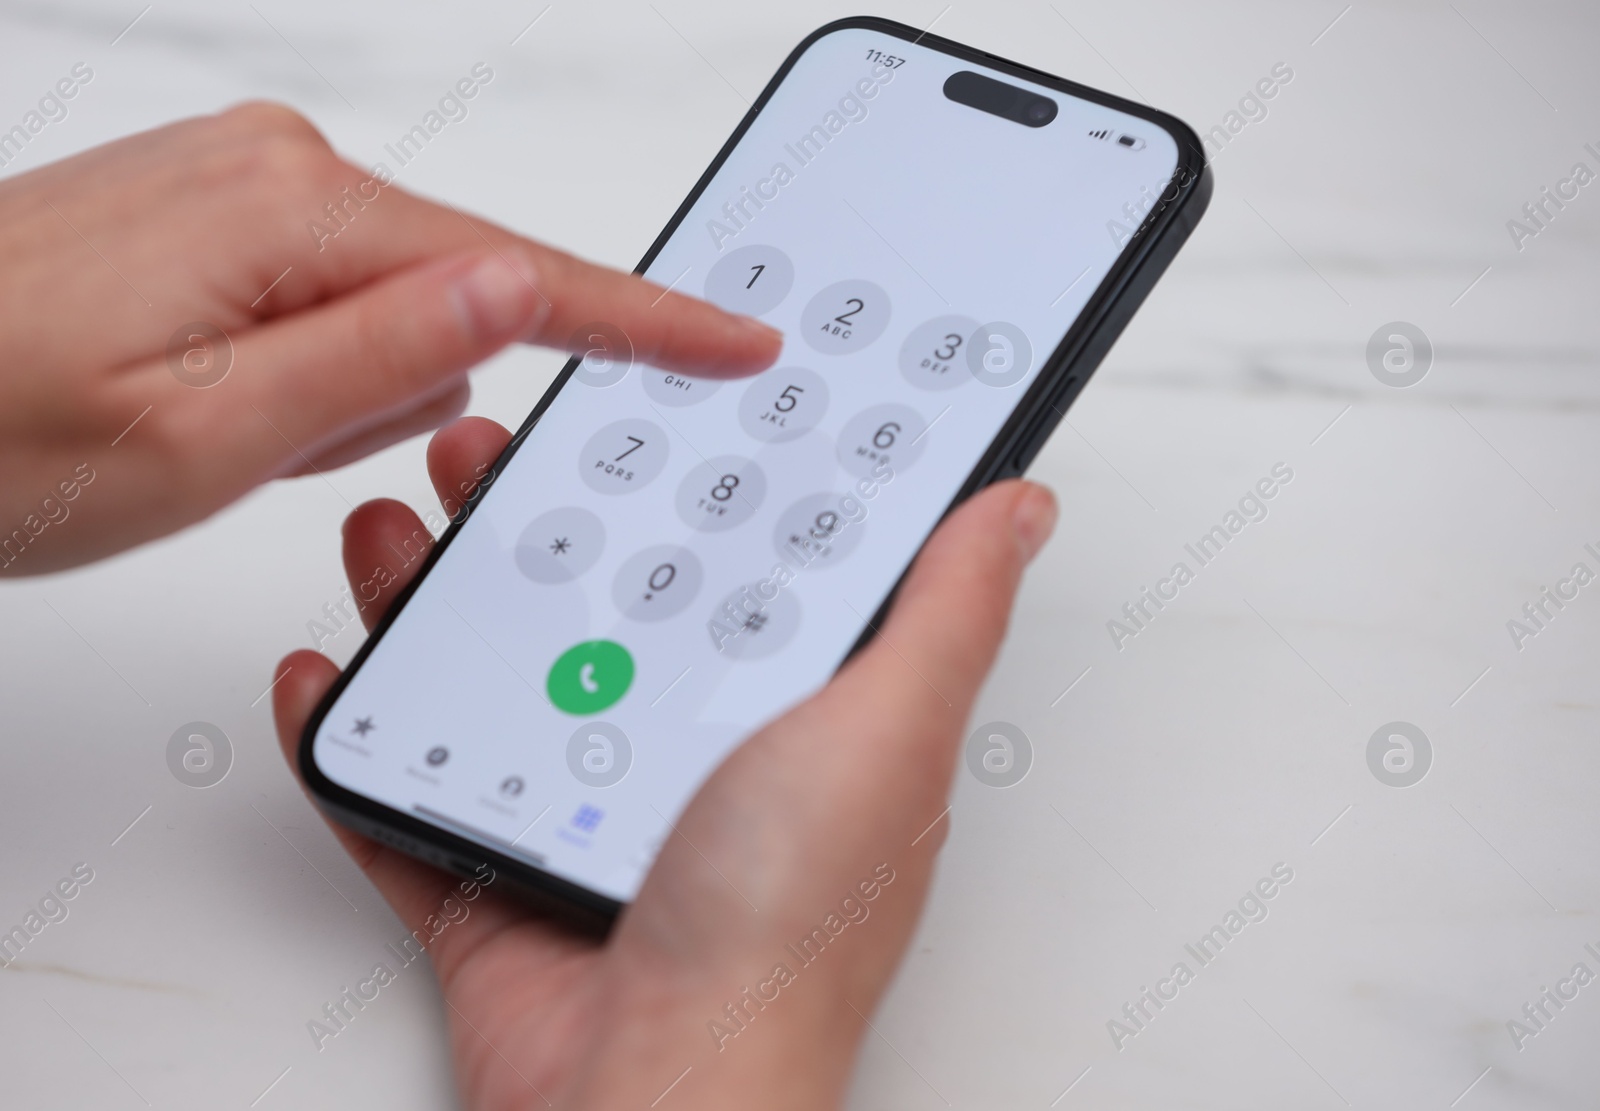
945, 628
865, 764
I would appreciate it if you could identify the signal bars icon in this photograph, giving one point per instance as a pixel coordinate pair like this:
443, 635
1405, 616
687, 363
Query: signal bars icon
1132, 142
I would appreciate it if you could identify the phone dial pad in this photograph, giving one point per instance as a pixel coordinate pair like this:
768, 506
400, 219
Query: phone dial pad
751, 280
781, 405
657, 583
560, 544
819, 530
932, 357
677, 390
624, 456
845, 317
721, 493
755, 621
891, 435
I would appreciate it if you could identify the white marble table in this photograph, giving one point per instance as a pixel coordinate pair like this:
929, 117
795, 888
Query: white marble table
1229, 735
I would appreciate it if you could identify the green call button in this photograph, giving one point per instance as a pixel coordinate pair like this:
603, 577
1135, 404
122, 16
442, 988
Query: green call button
589, 677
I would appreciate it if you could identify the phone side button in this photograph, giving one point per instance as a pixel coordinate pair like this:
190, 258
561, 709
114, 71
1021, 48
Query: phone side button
1044, 423
1023, 457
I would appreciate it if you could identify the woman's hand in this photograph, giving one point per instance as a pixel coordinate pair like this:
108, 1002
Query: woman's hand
176, 332
776, 914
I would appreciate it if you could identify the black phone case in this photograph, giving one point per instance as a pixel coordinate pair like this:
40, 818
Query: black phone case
1143, 260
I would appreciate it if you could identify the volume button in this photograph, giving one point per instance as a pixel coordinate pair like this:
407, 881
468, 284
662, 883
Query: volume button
1044, 423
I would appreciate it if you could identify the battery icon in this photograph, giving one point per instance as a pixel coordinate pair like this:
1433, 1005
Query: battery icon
1132, 142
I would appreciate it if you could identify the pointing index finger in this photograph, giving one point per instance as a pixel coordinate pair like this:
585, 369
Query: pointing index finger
667, 329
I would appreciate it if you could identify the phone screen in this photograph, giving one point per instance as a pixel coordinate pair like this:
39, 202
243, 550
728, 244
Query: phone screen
666, 563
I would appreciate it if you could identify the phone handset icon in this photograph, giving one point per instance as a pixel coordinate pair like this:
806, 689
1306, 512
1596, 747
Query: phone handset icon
589, 677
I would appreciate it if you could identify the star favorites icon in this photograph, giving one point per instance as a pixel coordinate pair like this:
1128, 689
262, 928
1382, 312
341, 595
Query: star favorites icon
363, 726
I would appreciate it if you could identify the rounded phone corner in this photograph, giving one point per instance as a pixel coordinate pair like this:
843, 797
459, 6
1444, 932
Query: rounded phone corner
305, 752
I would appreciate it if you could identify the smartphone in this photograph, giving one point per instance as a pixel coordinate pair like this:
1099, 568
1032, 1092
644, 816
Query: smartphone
659, 564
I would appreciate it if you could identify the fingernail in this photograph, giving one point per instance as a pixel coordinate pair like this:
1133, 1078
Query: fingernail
1034, 519
497, 297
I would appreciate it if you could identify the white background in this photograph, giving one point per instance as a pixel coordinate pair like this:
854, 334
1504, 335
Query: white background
1226, 737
